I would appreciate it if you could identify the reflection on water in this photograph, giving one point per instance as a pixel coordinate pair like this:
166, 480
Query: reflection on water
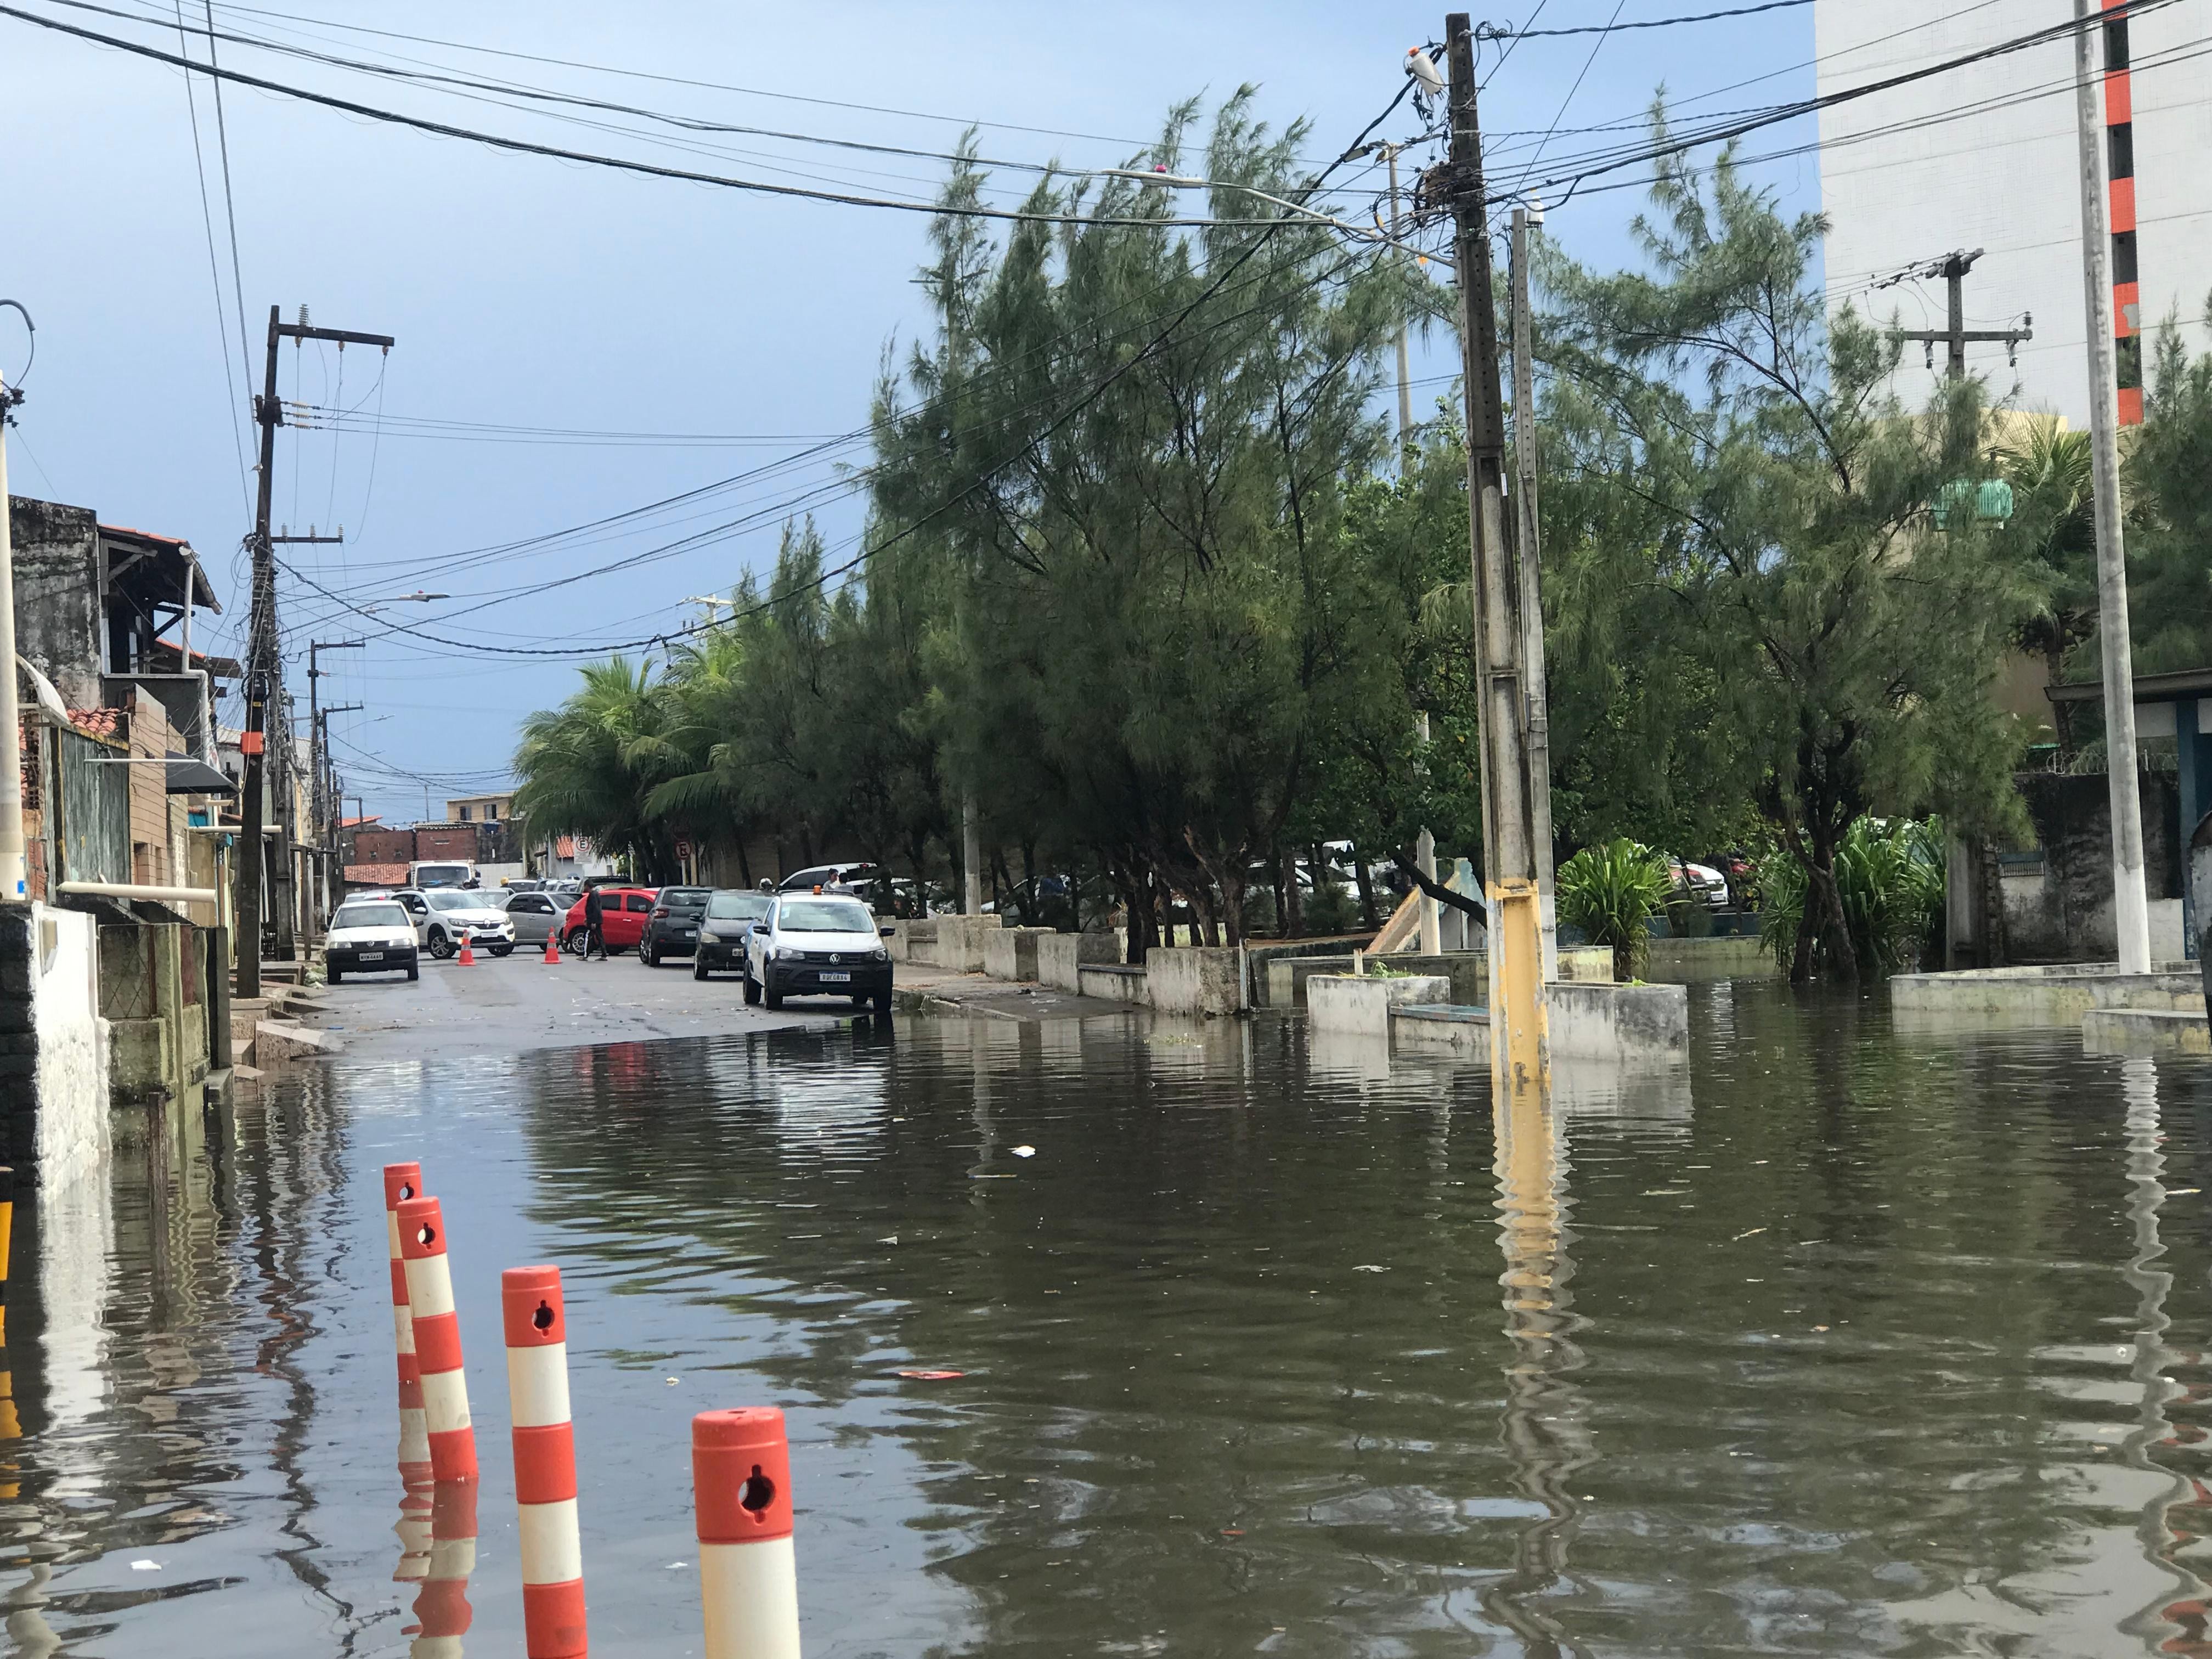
1836, 1343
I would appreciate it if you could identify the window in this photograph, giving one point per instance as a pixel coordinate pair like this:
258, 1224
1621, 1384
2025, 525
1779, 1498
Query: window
824, 916
491, 812
736, 907
368, 915
640, 903
464, 815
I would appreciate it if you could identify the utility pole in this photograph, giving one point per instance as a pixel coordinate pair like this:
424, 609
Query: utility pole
1527, 547
263, 667
1953, 269
971, 858
1520, 1038
320, 827
15, 865
2131, 904
334, 879
1405, 384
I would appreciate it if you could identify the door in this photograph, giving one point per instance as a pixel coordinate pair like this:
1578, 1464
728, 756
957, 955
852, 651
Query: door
418, 912
627, 926
532, 915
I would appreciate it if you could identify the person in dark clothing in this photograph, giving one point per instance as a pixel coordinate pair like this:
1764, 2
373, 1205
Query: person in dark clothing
595, 937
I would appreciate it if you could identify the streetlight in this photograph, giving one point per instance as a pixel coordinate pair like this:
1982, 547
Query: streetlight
418, 596
1162, 177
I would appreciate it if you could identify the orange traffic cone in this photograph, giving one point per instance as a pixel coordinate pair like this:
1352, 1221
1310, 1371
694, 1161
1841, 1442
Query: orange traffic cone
468, 957
552, 951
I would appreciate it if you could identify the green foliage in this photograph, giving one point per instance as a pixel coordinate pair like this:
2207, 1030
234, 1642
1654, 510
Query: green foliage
1783, 542
1891, 879
1611, 892
2169, 495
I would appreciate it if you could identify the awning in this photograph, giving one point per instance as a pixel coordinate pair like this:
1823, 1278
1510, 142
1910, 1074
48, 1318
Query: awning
188, 776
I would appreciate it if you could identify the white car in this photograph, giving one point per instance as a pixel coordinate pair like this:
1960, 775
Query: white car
370, 936
449, 914
824, 944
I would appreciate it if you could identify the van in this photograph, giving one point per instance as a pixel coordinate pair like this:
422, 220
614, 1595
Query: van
441, 872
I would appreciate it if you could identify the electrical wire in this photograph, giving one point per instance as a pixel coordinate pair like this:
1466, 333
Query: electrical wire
622, 164
1617, 26
229, 202
1596, 46
231, 404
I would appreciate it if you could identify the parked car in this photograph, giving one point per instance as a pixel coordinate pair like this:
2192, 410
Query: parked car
731, 913
451, 914
826, 876
671, 927
1704, 883
535, 917
622, 922
818, 944
370, 936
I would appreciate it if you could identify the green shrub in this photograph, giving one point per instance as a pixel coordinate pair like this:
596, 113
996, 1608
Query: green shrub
1889, 875
1611, 892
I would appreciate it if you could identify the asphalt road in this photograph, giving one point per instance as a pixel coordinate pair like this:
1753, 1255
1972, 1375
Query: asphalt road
518, 1003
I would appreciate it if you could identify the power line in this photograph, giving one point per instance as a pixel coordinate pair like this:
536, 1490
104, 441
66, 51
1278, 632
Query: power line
229, 203
1542, 143
215, 278
622, 164
1617, 26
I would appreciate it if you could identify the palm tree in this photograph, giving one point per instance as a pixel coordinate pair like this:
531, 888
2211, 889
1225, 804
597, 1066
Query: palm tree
580, 763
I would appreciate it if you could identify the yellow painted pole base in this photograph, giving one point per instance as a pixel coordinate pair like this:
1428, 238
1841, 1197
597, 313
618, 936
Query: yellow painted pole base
1520, 1023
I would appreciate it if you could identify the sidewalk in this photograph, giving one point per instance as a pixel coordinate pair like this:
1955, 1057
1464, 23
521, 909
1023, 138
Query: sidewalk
919, 988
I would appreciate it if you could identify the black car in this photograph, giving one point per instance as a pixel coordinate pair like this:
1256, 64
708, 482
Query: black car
731, 913
672, 929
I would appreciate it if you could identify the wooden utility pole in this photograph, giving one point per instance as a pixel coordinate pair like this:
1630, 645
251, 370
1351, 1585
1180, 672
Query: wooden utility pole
1520, 1038
2131, 902
1954, 338
264, 662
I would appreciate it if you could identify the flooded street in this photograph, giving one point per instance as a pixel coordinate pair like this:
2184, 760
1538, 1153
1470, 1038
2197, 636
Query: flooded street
1840, 1343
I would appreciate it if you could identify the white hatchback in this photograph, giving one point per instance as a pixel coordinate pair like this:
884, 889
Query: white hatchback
370, 936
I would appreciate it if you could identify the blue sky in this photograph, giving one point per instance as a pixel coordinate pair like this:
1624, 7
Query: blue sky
531, 293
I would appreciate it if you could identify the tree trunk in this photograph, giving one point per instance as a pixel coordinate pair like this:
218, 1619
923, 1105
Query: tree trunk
1841, 956
1368, 918
744, 866
2054, 665
1990, 893
1294, 910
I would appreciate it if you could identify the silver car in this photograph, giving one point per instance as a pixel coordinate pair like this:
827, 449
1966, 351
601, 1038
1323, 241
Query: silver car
537, 916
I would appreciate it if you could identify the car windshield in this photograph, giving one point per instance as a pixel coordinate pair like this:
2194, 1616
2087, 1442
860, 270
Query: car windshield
736, 907
451, 898
368, 915
685, 898
824, 916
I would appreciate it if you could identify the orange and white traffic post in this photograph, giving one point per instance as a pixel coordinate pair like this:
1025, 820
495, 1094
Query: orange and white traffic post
437, 1340
401, 1182
748, 1576
442, 1612
552, 951
468, 957
552, 1551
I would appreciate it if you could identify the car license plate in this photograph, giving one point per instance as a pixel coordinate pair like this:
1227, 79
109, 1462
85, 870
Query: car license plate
686, 933
371, 956
834, 979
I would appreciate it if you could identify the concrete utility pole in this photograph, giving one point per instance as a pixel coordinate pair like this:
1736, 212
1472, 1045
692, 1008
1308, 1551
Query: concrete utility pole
263, 666
15, 866
2131, 902
326, 785
1405, 382
322, 801
971, 858
1955, 338
1520, 1038
1424, 844
1527, 547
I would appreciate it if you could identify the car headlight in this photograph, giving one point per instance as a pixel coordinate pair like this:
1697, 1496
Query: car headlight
882, 955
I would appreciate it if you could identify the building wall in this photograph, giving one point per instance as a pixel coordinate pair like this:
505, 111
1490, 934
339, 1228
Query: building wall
2062, 911
2005, 179
53, 1046
58, 583
380, 846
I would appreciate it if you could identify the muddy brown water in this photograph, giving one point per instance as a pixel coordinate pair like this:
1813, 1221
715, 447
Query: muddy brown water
1840, 1342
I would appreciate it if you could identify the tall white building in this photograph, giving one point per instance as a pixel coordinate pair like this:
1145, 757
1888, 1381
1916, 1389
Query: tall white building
1985, 157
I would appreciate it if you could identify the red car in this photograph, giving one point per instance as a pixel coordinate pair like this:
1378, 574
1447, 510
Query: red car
621, 918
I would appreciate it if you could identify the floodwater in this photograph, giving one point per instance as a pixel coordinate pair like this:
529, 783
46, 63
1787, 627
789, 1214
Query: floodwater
1840, 1343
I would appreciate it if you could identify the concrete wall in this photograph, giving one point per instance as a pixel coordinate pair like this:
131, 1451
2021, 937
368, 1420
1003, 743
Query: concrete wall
53, 1045
1061, 957
2065, 912
58, 591
1360, 1005
1194, 979
2055, 994
1011, 953
150, 990
1469, 971
1632, 1023
1688, 961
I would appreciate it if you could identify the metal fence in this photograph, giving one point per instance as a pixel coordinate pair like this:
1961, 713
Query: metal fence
95, 811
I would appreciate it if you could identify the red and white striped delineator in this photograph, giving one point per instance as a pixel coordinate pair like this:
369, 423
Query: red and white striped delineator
442, 1612
414, 1529
401, 1182
544, 1464
437, 1340
748, 1577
